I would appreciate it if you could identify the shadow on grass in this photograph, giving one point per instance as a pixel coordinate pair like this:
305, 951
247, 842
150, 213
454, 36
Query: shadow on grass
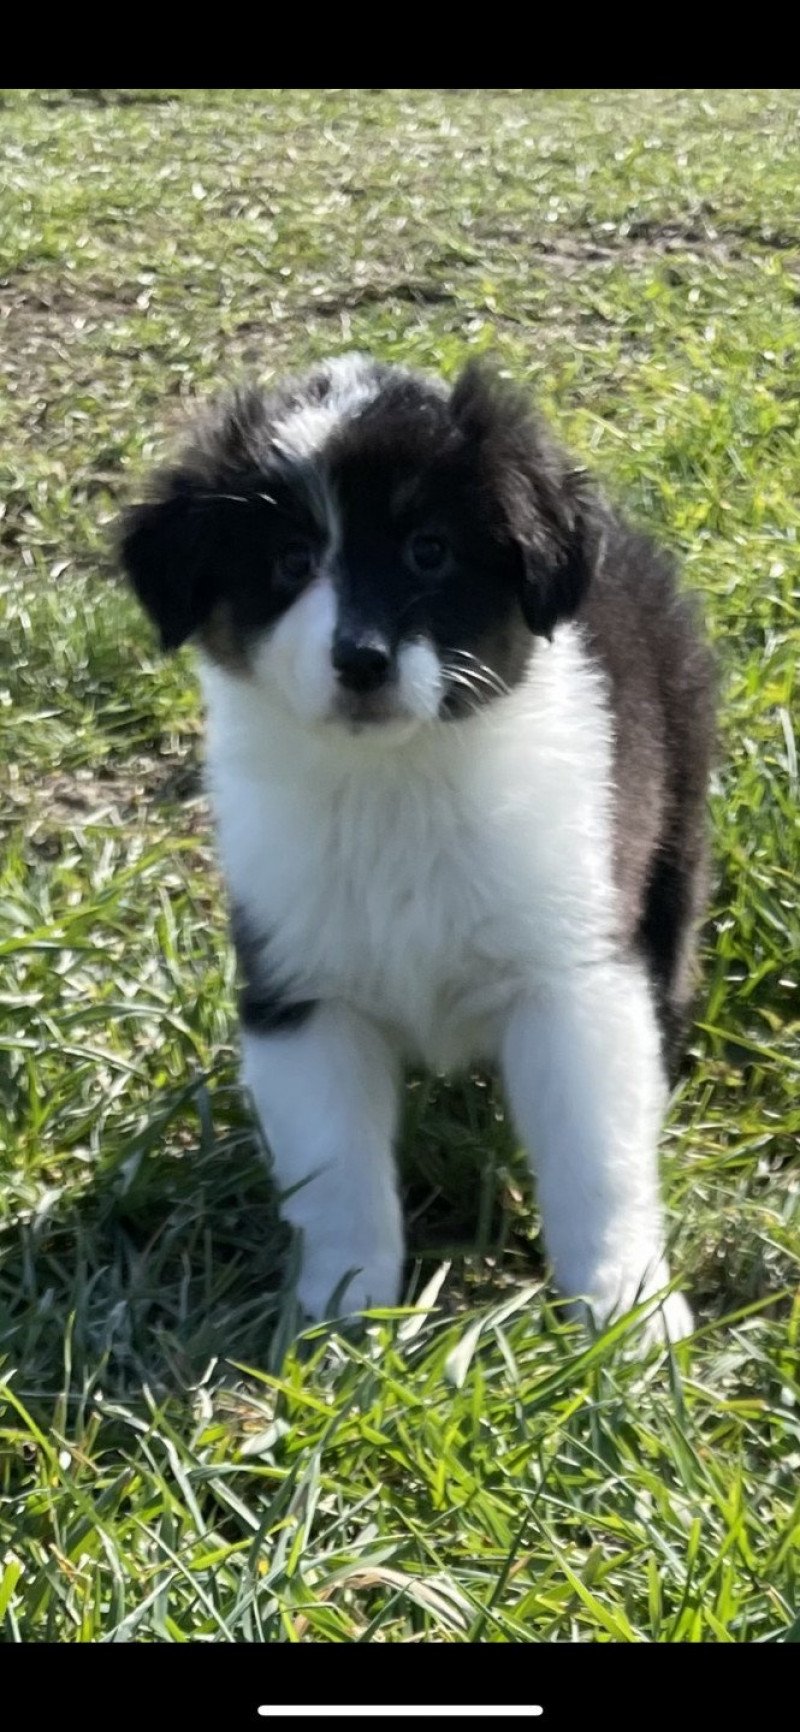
106, 98
171, 1266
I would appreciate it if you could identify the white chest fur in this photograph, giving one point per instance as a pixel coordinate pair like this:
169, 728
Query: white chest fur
423, 881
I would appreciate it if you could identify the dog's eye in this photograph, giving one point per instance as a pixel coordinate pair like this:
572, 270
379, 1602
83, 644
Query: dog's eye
295, 561
427, 553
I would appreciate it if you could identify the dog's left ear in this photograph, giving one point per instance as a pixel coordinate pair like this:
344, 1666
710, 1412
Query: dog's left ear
546, 507
167, 550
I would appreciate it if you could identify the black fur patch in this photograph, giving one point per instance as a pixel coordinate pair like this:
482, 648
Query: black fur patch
477, 467
646, 637
265, 1005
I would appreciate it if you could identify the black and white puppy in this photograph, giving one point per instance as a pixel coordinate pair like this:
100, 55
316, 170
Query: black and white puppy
459, 729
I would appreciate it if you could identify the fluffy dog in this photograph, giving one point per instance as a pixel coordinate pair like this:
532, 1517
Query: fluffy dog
459, 729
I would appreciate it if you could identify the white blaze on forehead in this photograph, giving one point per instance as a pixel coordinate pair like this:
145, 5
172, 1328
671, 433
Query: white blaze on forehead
300, 438
307, 428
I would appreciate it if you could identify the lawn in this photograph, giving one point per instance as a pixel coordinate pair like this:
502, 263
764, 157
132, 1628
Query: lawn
172, 1468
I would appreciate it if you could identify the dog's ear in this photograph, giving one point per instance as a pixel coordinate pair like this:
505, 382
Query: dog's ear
540, 503
166, 548
554, 525
178, 548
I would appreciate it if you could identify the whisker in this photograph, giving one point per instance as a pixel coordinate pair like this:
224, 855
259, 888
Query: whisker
479, 669
455, 678
239, 498
235, 498
474, 661
489, 685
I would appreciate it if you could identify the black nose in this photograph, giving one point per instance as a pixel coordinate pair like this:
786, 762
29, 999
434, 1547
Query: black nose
361, 660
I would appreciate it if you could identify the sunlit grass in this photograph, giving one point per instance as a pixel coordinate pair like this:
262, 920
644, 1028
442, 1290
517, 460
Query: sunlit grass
171, 1467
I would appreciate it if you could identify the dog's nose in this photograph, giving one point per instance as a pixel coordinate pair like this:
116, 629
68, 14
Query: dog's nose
362, 661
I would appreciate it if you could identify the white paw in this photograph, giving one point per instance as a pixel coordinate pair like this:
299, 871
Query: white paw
338, 1287
671, 1320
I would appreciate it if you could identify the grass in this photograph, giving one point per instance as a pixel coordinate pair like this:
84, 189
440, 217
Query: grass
171, 1467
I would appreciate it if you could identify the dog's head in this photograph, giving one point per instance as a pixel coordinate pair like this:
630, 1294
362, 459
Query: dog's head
373, 546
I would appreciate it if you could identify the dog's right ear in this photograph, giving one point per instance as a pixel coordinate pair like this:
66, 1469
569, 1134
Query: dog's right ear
166, 548
548, 508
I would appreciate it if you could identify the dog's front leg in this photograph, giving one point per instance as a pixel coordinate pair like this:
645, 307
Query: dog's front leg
583, 1071
326, 1094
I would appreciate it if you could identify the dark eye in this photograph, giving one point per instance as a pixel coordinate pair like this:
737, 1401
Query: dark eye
295, 561
427, 553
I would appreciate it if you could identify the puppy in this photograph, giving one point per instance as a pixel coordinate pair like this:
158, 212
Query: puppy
459, 729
